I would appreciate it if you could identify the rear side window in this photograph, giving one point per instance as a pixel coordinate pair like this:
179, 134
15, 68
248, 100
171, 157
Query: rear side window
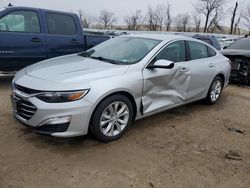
60, 24
173, 52
197, 50
20, 21
211, 52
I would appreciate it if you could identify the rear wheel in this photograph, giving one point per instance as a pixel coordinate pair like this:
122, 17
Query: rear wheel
112, 118
215, 91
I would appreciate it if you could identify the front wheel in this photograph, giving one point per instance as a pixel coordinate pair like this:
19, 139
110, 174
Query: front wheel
112, 118
215, 91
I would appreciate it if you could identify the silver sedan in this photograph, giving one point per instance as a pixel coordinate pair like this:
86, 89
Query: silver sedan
104, 89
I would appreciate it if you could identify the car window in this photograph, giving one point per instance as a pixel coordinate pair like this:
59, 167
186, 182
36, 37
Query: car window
60, 24
20, 21
173, 52
211, 52
197, 50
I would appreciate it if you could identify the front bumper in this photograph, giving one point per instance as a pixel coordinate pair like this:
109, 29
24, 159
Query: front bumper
79, 112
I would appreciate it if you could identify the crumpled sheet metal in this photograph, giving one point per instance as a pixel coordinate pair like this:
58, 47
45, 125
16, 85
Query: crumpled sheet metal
166, 90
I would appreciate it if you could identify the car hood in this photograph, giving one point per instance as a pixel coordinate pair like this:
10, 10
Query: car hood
73, 68
236, 52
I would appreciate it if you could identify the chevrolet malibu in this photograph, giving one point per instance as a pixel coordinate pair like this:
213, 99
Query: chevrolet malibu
103, 90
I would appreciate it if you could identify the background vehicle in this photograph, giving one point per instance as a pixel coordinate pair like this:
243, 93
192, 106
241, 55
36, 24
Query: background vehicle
212, 40
29, 35
239, 54
122, 79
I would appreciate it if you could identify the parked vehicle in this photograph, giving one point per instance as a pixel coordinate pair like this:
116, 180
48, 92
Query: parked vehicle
212, 40
225, 42
29, 35
125, 78
239, 54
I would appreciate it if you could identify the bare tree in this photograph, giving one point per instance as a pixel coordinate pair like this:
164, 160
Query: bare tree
106, 18
155, 18
236, 25
160, 13
233, 17
208, 8
196, 21
86, 20
151, 19
214, 22
134, 21
168, 17
181, 21
247, 18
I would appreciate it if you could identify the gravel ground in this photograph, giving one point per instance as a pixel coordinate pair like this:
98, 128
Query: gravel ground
190, 146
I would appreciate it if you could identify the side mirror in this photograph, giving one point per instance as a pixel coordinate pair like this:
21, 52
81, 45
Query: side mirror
162, 64
225, 47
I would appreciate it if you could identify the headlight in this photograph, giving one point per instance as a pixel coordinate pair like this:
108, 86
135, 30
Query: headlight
60, 97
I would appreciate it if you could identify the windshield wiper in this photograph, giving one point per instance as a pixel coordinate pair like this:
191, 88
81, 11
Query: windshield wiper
86, 53
104, 59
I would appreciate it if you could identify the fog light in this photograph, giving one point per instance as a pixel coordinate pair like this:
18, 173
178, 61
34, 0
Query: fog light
56, 121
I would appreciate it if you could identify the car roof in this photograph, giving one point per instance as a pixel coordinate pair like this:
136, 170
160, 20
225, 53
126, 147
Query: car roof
163, 37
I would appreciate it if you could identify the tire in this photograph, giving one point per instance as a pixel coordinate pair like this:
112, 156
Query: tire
215, 91
111, 112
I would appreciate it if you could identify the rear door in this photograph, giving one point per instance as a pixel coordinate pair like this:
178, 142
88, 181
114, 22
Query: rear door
22, 39
165, 88
63, 34
202, 70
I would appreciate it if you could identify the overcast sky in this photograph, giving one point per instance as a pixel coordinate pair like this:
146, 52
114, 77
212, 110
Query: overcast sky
119, 7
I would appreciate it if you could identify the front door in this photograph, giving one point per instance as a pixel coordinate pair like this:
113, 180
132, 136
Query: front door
22, 41
165, 88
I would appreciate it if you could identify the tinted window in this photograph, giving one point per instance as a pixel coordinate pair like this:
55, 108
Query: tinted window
197, 50
173, 52
241, 44
61, 24
211, 52
20, 21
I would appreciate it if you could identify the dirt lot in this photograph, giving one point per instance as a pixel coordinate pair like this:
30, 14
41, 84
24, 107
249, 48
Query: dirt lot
185, 147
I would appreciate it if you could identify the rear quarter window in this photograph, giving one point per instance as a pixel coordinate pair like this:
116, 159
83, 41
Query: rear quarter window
60, 24
211, 52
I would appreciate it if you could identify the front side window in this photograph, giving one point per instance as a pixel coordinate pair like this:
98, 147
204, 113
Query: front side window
173, 52
60, 24
20, 21
197, 50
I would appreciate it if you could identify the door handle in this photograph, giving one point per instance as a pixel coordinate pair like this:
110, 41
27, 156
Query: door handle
211, 65
74, 41
184, 69
36, 40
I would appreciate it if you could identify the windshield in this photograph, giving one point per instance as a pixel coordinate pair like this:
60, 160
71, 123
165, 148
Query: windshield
241, 44
122, 50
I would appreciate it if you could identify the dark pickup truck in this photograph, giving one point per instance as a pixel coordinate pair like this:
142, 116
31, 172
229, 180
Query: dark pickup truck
29, 35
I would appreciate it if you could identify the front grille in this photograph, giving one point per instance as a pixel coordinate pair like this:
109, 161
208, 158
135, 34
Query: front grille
23, 108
